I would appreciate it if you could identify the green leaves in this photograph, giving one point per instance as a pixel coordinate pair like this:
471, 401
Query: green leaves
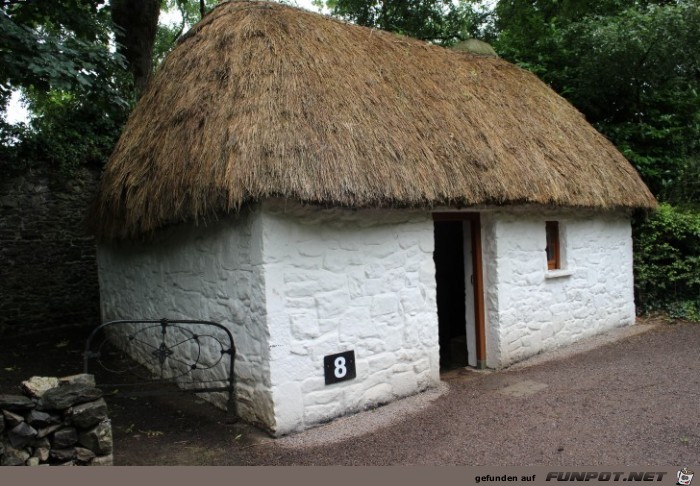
442, 22
58, 54
44, 47
632, 68
167, 35
667, 262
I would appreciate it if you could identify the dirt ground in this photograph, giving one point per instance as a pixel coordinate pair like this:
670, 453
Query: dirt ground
633, 401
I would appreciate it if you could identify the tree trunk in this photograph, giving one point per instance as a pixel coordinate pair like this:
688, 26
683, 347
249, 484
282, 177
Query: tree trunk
138, 22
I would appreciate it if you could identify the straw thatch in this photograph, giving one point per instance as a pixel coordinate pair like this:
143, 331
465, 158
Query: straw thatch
264, 100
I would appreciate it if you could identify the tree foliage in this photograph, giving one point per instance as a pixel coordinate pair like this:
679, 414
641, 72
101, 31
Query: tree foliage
667, 262
190, 12
78, 87
62, 45
632, 67
440, 21
638, 79
58, 54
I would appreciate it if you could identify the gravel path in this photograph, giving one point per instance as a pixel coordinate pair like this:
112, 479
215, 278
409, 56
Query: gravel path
631, 401
631, 397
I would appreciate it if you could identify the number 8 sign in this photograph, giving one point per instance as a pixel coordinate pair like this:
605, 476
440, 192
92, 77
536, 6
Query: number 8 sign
339, 367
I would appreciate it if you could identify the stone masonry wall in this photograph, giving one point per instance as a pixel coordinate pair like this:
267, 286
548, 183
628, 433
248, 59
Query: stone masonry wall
59, 422
211, 272
295, 284
489, 247
340, 280
532, 309
48, 275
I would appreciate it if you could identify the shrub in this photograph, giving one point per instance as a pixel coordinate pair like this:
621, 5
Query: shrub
667, 262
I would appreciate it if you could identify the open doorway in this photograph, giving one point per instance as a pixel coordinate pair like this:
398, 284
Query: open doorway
459, 290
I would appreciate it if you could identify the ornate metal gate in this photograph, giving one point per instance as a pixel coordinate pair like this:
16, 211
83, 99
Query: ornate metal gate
197, 356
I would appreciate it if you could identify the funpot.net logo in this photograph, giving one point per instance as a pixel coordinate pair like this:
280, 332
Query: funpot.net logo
606, 476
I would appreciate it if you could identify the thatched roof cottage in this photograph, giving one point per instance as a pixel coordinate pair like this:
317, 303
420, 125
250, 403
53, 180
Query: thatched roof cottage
323, 188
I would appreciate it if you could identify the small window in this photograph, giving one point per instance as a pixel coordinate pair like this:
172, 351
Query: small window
553, 250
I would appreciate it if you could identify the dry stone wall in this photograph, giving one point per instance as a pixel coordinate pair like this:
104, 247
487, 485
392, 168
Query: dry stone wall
48, 273
56, 422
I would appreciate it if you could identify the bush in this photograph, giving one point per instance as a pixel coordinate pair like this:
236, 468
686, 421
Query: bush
667, 262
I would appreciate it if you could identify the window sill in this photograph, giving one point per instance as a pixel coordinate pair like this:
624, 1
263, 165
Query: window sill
563, 272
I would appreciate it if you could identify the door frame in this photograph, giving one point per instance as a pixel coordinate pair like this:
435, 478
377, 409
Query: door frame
477, 268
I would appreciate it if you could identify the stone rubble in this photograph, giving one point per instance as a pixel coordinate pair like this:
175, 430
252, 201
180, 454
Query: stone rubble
57, 422
65, 396
89, 414
39, 420
14, 403
36, 386
12, 419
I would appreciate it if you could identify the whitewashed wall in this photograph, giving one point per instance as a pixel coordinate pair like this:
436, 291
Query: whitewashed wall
209, 272
295, 284
341, 280
530, 309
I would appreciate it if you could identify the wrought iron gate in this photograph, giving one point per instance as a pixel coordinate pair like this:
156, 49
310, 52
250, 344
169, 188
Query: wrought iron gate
197, 356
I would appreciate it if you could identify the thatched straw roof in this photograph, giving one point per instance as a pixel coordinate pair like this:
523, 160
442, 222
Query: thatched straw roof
264, 100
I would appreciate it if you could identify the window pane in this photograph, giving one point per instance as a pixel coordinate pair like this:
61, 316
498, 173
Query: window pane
552, 229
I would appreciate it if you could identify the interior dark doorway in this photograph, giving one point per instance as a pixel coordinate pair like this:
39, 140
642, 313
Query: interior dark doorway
449, 276
459, 280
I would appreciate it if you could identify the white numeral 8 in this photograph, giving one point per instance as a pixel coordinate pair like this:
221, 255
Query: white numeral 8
340, 369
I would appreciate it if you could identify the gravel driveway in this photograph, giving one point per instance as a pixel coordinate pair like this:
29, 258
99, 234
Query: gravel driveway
633, 401
628, 398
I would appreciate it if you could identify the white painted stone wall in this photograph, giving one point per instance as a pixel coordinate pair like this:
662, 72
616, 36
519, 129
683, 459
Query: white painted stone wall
211, 272
489, 255
295, 284
530, 309
340, 280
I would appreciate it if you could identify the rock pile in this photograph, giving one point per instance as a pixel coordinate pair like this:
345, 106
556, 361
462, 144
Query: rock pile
58, 421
